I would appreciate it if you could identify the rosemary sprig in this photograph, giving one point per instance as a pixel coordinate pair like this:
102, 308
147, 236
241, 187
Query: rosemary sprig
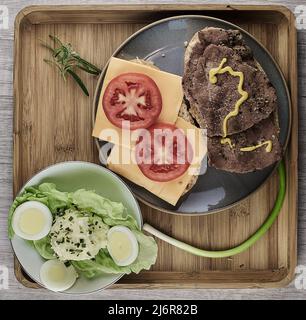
79, 82
67, 60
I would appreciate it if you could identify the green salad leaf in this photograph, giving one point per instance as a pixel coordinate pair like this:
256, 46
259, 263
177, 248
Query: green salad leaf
56, 199
43, 247
103, 263
112, 213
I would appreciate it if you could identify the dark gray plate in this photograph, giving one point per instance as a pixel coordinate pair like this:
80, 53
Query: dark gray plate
163, 43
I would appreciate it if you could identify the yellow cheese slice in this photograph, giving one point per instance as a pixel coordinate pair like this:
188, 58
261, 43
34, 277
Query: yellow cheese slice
170, 86
122, 161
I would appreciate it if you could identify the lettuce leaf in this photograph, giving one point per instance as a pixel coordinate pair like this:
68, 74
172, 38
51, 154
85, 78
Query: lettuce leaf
43, 247
103, 263
56, 199
112, 213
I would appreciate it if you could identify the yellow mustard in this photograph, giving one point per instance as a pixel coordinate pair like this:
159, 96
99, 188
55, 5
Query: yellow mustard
244, 95
227, 141
268, 144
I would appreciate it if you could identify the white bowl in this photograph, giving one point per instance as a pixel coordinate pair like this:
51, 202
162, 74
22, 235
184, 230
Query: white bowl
71, 176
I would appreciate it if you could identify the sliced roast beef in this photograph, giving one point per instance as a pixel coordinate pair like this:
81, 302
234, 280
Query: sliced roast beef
210, 103
214, 101
222, 156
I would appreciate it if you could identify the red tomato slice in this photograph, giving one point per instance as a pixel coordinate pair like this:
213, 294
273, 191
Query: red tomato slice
163, 152
133, 98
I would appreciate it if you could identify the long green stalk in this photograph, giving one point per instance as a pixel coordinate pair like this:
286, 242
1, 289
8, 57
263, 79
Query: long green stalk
243, 246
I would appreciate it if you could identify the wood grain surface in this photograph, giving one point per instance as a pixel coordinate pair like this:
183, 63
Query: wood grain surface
65, 147
41, 139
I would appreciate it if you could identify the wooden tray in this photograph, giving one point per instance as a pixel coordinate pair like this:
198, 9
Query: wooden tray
52, 123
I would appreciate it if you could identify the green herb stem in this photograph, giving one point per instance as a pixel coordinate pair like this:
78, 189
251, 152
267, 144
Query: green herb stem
67, 60
243, 246
79, 82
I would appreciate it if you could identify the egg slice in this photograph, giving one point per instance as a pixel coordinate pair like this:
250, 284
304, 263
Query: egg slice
122, 245
32, 220
55, 276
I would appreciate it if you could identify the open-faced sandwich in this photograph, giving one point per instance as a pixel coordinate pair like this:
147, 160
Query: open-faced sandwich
230, 95
138, 98
224, 91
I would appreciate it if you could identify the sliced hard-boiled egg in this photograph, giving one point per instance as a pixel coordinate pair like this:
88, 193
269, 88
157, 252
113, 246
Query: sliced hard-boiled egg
55, 276
32, 220
122, 245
